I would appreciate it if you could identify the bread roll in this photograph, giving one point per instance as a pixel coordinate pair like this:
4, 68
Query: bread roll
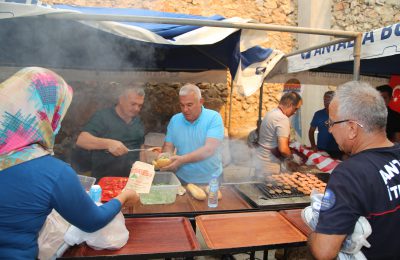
197, 192
162, 161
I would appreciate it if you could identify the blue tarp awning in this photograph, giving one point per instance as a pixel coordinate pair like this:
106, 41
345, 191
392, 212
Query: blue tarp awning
29, 38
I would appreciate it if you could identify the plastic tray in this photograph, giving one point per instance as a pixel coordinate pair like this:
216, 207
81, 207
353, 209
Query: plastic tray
247, 229
294, 217
148, 236
111, 187
163, 190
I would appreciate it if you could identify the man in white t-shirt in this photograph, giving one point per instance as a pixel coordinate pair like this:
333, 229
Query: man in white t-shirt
273, 142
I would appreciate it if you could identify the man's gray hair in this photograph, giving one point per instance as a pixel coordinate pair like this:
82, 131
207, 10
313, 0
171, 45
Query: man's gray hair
190, 88
361, 102
291, 98
138, 90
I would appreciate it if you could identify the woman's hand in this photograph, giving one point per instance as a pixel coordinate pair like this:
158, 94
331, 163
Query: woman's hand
128, 197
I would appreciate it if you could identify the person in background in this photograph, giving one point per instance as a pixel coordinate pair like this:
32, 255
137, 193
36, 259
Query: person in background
196, 133
33, 103
393, 119
366, 184
273, 143
111, 132
325, 142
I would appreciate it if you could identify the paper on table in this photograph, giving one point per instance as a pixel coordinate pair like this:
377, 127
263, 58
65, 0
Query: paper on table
141, 177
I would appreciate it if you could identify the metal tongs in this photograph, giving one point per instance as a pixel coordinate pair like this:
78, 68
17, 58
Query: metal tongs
144, 149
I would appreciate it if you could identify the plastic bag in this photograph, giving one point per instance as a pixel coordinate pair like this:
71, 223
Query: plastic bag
353, 243
51, 236
113, 236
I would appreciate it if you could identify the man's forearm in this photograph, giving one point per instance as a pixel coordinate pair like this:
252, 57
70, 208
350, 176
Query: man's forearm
198, 155
325, 246
88, 141
311, 137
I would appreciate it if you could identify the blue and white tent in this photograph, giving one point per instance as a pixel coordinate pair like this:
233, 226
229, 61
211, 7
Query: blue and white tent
30, 37
380, 52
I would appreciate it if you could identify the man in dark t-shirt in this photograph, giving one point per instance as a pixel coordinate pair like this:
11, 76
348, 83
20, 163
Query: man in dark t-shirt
367, 183
111, 132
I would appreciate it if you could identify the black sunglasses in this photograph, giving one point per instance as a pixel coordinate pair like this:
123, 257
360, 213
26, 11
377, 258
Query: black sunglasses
329, 123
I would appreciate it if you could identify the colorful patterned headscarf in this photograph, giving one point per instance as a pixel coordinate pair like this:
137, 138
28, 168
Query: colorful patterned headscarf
33, 103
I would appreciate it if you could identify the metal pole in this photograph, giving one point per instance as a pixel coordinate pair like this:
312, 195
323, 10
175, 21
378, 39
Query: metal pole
260, 106
196, 22
230, 108
357, 57
318, 46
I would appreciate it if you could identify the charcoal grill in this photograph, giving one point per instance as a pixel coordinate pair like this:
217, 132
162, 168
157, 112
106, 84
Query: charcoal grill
272, 192
258, 196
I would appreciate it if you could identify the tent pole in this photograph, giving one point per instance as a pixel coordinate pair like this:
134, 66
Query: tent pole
318, 46
230, 108
357, 57
260, 106
196, 22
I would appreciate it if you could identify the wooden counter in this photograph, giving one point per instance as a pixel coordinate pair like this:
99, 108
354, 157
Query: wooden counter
231, 200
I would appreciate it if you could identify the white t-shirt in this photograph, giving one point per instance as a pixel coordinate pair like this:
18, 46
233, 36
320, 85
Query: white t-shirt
275, 124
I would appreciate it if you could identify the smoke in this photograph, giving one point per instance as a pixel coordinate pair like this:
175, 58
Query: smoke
238, 161
64, 44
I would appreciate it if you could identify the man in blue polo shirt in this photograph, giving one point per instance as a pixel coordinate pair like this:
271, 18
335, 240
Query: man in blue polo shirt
325, 142
196, 133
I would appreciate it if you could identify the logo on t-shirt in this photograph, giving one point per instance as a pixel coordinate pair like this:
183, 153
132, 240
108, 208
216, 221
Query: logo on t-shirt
328, 201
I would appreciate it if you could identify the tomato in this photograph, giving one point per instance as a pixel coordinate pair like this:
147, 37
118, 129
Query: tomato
112, 187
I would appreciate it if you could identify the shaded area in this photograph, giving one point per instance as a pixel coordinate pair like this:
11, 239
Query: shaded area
53, 43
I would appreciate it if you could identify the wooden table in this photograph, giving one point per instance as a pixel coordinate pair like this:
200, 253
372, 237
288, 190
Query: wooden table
230, 201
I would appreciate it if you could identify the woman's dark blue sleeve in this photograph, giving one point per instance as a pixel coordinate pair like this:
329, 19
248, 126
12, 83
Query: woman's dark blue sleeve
75, 205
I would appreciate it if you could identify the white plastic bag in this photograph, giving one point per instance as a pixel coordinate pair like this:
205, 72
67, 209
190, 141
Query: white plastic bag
51, 236
353, 243
113, 236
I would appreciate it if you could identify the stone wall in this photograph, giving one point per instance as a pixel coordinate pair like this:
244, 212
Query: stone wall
364, 15
244, 110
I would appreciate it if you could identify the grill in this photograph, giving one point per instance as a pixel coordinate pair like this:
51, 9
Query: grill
275, 191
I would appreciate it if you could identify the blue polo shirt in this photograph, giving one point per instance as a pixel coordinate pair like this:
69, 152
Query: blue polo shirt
325, 141
188, 137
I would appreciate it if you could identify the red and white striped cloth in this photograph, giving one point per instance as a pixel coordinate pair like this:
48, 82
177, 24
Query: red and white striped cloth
319, 159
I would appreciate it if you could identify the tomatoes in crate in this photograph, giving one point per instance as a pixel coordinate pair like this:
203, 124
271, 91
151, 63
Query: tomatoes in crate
111, 187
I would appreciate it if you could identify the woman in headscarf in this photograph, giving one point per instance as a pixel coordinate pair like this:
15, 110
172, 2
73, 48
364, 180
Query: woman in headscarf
33, 103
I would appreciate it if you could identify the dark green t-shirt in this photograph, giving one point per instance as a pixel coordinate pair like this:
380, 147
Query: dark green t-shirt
107, 124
